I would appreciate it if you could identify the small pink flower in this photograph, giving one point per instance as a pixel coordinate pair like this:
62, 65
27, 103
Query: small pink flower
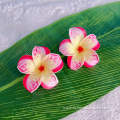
80, 49
40, 68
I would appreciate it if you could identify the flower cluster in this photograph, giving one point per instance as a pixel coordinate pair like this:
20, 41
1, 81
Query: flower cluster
41, 66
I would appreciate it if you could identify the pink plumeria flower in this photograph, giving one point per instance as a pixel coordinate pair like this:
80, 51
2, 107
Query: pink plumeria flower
40, 68
80, 49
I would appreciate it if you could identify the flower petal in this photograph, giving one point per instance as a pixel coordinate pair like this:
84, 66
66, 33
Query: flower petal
91, 57
53, 62
32, 82
76, 61
26, 65
49, 79
77, 34
66, 48
90, 42
38, 53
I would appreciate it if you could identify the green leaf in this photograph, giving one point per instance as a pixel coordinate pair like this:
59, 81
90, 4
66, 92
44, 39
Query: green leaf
76, 89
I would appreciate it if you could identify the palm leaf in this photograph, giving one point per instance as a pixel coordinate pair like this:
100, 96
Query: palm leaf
76, 89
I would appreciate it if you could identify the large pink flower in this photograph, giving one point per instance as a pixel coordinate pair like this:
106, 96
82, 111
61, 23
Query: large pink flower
40, 68
80, 48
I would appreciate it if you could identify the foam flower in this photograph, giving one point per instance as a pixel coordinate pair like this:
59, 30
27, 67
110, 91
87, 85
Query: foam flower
80, 49
40, 68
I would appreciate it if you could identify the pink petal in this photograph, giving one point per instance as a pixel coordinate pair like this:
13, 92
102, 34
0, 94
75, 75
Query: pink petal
66, 48
91, 57
76, 61
90, 42
38, 53
32, 82
77, 34
49, 80
26, 65
53, 62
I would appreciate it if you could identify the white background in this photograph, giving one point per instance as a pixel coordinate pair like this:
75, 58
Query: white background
18, 18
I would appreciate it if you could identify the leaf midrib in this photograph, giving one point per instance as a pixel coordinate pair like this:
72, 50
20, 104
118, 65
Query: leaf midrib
108, 32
